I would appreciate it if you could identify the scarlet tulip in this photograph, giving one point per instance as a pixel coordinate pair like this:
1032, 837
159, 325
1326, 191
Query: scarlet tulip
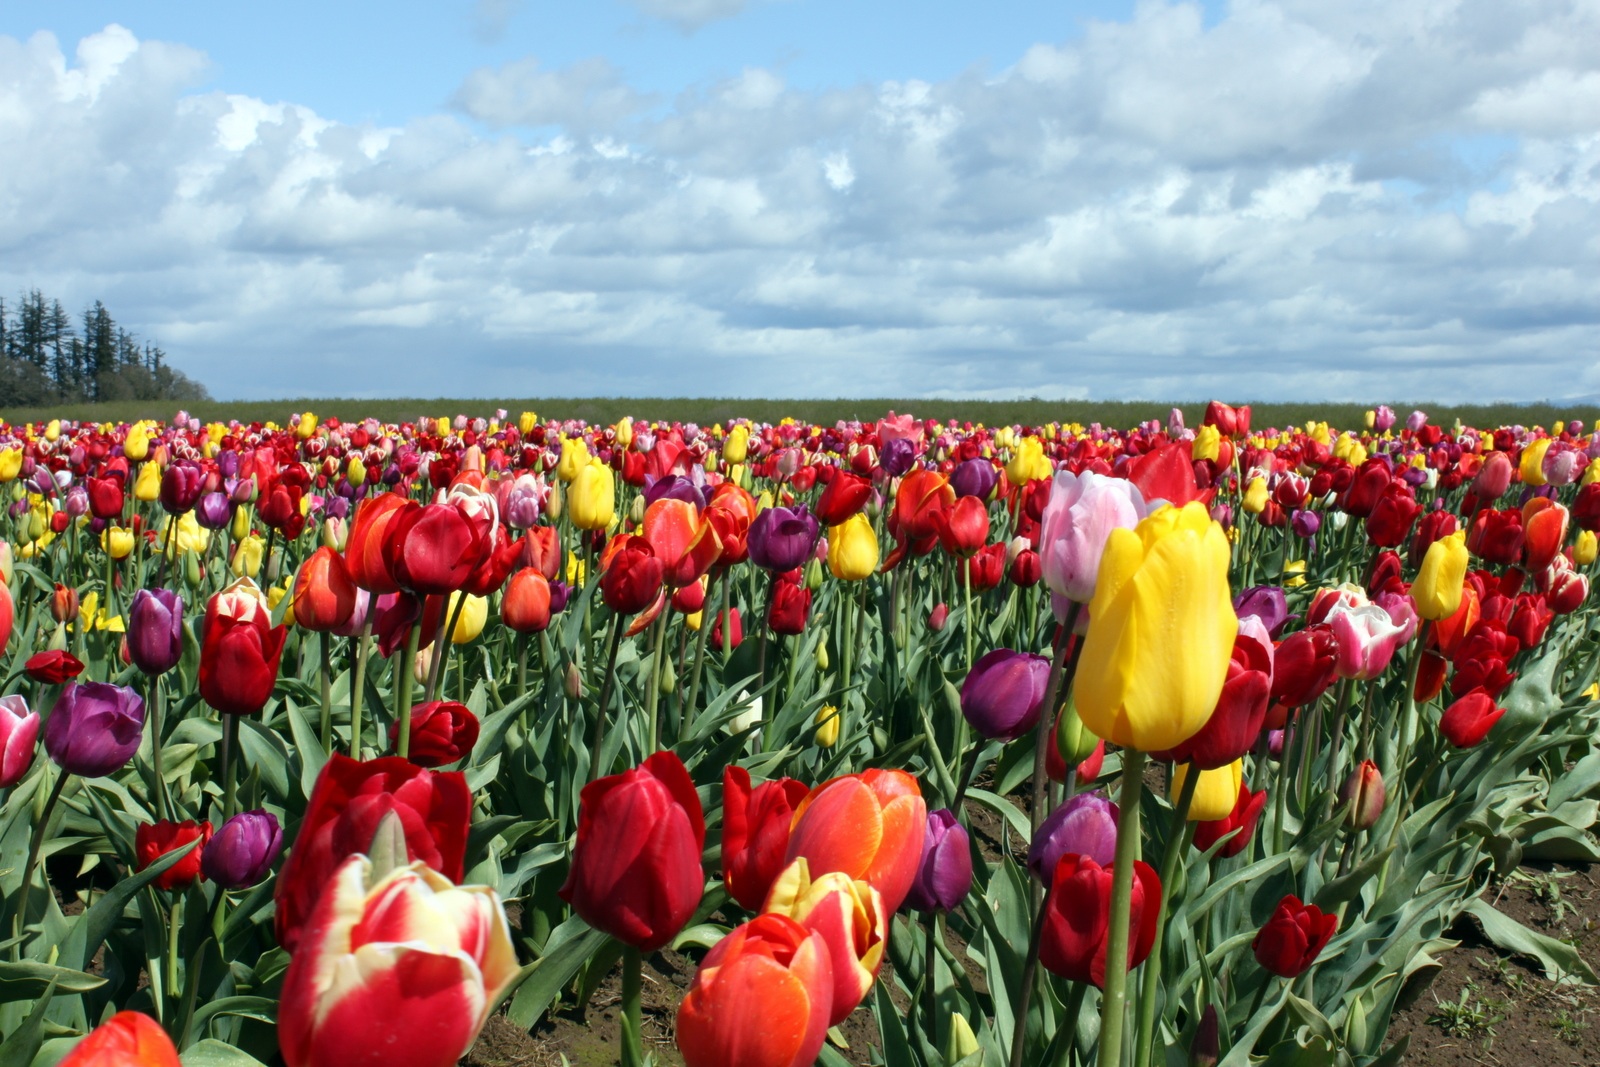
239, 656
755, 833
53, 666
1468, 721
683, 540
127, 1039
849, 916
1496, 536
154, 840
759, 999
1293, 938
324, 595
364, 547
870, 826
1364, 792
984, 569
1392, 516
791, 605
845, 496
1544, 523
442, 731
636, 864
633, 576
433, 550
1077, 918
347, 803
963, 527
922, 496
525, 607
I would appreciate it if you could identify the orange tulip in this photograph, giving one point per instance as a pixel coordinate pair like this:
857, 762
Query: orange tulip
324, 595
127, 1039
922, 497
870, 826
760, 998
1544, 525
525, 607
730, 513
683, 540
849, 918
363, 550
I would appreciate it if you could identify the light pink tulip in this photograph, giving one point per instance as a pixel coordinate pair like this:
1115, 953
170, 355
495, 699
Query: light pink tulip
1082, 511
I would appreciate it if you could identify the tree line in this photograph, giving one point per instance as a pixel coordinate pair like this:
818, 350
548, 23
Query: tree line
51, 359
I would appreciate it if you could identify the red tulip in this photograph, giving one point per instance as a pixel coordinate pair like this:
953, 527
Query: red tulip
683, 540
1469, 720
53, 667
1246, 811
755, 833
105, 497
987, 567
442, 731
1293, 938
542, 550
239, 656
845, 495
1545, 524
730, 512
791, 604
347, 803
636, 870
963, 527
490, 574
759, 999
849, 916
324, 595
922, 497
735, 629
279, 508
1586, 508
633, 575
363, 549
127, 1039
151, 841
433, 550
525, 607
1368, 485
1496, 536
870, 826
1392, 516
1077, 918
1434, 526
1303, 665
1529, 619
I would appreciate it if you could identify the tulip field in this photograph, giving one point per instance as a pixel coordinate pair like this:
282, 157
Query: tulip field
915, 742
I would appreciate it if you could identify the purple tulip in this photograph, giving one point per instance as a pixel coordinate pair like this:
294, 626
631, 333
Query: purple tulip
1305, 524
228, 463
338, 505
1267, 603
1416, 421
673, 487
1086, 825
896, 456
181, 485
945, 874
213, 511
974, 477
77, 502
1383, 418
782, 539
241, 853
155, 630
1004, 693
560, 593
94, 728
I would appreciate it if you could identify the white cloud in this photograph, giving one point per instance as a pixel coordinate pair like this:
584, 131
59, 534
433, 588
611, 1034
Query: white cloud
690, 15
1295, 201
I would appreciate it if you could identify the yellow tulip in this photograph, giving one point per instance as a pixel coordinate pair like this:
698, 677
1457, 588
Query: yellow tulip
1357, 454
52, 432
1533, 461
1207, 443
136, 446
1437, 590
1583, 548
10, 464
356, 471
247, 557
853, 549
147, 487
1025, 461
692, 620
91, 616
1591, 473
7, 564
1216, 792
1161, 631
1294, 573
442, 427
117, 540
827, 726
593, 499
526, 422
737, 446
1255, 496
624, 432
241, 523
1370, 418
469, 624
1591, 693
307, 426
574, 458
184, 534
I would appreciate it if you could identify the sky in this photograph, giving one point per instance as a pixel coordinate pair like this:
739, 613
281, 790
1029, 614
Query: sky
1256, 199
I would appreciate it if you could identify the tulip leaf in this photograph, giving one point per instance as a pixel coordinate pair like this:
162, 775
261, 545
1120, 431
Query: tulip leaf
896, 1048
1013, 815
262, 1009
264, 751
214, 1053
22, 1044
538, 984
89, 930
1559, 959
28, 979
307, 746
1348, 887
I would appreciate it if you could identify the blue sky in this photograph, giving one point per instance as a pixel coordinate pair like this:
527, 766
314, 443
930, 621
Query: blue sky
1257, 199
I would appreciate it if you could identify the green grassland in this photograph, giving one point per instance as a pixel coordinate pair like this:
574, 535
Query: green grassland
709, 410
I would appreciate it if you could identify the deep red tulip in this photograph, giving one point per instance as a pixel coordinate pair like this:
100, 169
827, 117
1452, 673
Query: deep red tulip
755, 833
363, 550
1077, 918
279, 508
1293, 938
1303, 665
105, 497
636, 870
1496, 536
845, 495
442, 731
53, 667
1365, 489
1434, 525
633, 576
1392, 516
735, 629
1469, 720
986, 568
433, 550
239, 656
1586, 508
151, 841
791, 604
1529, 619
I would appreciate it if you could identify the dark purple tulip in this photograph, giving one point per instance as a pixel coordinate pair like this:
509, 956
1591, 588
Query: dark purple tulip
974, 477
337, 506
95, 728
181, 485
228, 463
241, 853
1004, 693
1086, 825
213, 511
896, 456
19, 508
1267, 603
782, 539
673, 487
560, 593
155, 630
945, 875
1305, 523
77, 503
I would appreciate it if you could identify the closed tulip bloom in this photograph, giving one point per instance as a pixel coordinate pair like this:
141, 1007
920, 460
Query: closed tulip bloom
181, 485
347, 803
397, 971
974, 478
434, 550
1077, 918
964, 527
1303, 665
1568, 591
105, 497
850, 918
324, 594
1085, 825
1367, 637
19, 730
636, 864
1434, 525
94, 728
1468, 721
127, 1039
945, 875
471, 614
845, 496
922, 496
155, 630
240, 654
592, 497
52, 666
1215, 794
1437, 590
1003, 694
1078, 519
242, 853
853, 549
1496, 536
633, 576
1161, 631
1393, 514
782, 539
760, 998
1544, 523
154, 840
369, 533
1269, 603
1531, 466
442, 731
1364, 791
870, 826
525, 605
1243, 818
735, 629
755, 833
214, 511
790, 607
1294, 937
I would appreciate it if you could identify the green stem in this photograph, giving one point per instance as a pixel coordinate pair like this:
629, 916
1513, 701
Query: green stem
699, 662
966, 585
1178, 839
358, 691
632, 1013
652, 699
35, 845
230, 772
1116, 987
163, 805
324, 687
599, 735
174, 923
402, 690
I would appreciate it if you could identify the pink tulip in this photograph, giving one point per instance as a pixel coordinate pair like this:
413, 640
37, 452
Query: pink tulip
1082, 511
1367, 638
19, 730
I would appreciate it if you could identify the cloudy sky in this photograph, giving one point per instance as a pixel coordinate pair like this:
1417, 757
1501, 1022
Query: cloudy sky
1278, 199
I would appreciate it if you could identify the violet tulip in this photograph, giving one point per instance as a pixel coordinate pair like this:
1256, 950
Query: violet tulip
945, 875
94, 728
974, 477
1086, 824
1003, 695
155, 630
242, 853
782, 539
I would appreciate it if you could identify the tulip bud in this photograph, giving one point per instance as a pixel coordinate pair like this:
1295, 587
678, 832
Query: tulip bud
241, 854
1205, 1048
574, 682
64, 604
939, 616
960, 1042
822, 652
1364, 792
827, 722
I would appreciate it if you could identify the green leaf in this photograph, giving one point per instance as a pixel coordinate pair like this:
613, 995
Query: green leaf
213, 1053
21, 1046
1558, 959
538, 984
896, 1048
27, 980
89, 930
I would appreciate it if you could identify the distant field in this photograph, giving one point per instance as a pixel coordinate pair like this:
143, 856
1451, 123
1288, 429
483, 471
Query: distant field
708, 410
